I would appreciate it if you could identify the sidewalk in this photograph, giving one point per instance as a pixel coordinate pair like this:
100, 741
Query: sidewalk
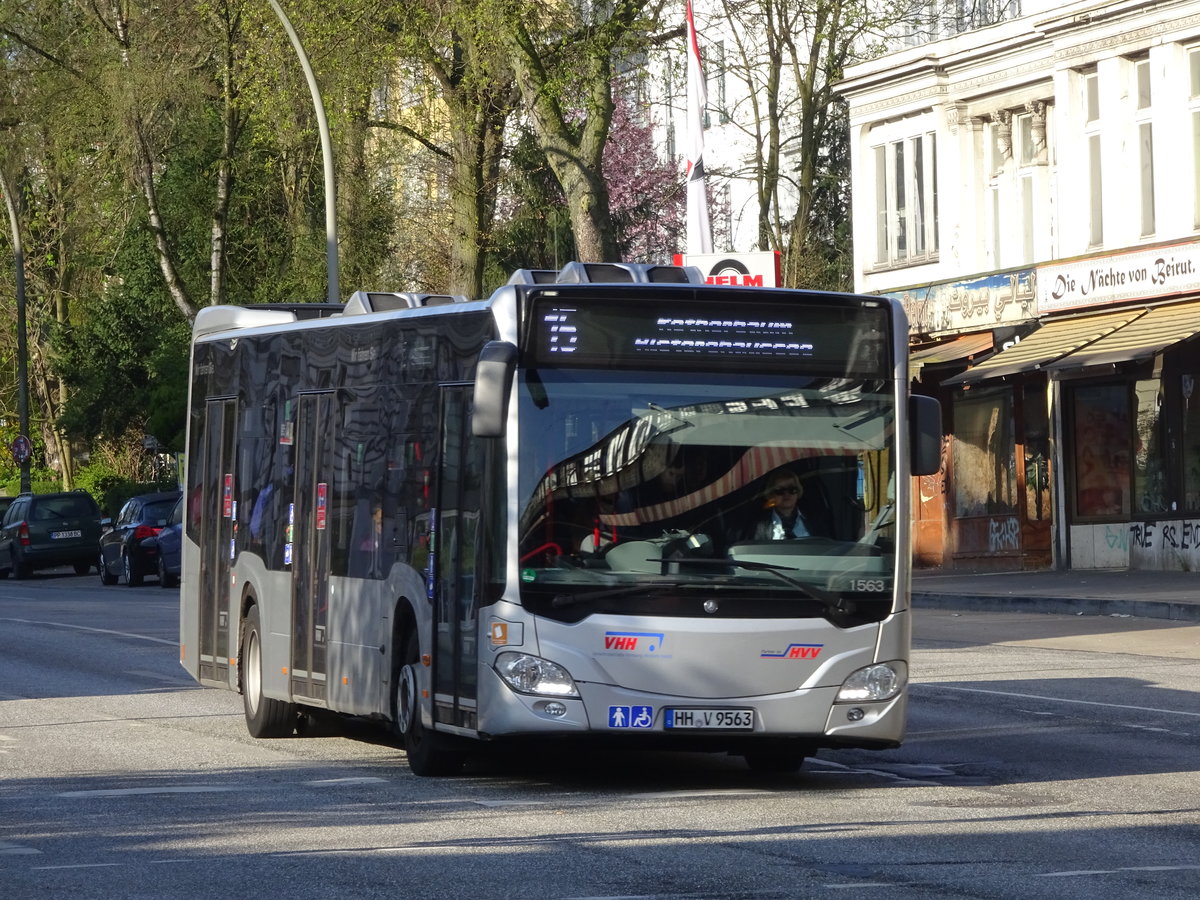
1092, 592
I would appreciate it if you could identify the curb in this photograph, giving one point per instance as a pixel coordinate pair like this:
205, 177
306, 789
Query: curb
1087, 606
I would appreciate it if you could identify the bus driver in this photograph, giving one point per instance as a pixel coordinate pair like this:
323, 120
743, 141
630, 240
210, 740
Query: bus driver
781, 518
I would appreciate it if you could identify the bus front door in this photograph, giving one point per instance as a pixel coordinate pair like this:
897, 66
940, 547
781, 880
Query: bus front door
457, 543
312, 521
216, 538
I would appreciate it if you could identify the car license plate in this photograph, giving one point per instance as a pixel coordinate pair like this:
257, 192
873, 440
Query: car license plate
711, 719
55, 535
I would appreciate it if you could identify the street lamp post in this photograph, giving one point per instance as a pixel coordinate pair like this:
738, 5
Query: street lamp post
22, 347
331, 248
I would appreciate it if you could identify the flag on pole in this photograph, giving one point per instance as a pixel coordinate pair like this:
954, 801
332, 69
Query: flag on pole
699, 232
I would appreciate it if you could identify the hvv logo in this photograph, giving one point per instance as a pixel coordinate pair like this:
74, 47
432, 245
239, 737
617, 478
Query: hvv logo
794, 651
633, 641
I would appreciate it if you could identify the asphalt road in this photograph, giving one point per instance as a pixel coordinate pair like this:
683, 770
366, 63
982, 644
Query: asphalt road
1048, 756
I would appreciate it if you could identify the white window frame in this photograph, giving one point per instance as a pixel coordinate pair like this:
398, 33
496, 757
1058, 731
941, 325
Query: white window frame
1194, 110
1143, 121
1090, 86
905, 170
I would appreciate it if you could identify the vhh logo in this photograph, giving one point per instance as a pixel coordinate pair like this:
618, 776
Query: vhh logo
633, 640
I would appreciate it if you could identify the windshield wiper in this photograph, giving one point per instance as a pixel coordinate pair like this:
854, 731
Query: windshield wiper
833, 602
561, 600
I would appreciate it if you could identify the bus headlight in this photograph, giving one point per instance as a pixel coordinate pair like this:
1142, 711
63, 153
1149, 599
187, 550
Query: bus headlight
534, 675
882, 681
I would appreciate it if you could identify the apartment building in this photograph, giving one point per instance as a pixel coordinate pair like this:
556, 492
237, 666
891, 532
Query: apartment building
1030, 190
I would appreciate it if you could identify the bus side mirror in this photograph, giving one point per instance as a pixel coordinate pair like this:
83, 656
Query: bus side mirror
493, 383
924, 434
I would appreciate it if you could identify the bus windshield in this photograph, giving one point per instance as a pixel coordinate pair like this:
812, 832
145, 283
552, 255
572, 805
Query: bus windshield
640, 487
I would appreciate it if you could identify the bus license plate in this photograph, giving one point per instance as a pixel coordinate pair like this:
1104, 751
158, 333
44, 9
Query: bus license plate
711, 719
55, 535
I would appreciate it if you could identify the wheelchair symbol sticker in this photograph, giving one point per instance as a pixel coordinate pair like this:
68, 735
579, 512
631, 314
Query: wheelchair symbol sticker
630, 716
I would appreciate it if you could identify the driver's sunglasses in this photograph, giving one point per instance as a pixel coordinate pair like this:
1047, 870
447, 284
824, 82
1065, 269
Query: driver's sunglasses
779, 491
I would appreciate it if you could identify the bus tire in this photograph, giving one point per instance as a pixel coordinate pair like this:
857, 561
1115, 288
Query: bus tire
776, 759
428, 754
265, 717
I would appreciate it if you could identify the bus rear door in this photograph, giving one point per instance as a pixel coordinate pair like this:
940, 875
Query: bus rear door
216, 537
312, 523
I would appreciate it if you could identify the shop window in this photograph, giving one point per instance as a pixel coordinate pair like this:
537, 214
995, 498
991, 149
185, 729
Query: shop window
1191, 442
1149, 463
1101, 428
1037, 453
985, 480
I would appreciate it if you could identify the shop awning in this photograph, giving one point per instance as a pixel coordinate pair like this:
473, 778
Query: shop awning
1050, 343
1145, 336
958, 349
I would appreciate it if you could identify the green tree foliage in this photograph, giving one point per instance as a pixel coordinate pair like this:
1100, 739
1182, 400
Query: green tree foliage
125, 358
166, 157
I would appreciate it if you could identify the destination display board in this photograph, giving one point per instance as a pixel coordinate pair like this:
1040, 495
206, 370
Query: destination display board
809, 335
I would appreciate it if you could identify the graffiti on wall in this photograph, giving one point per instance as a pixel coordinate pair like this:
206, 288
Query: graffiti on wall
1117, 537
1171, 546
1183, 535
1004, 534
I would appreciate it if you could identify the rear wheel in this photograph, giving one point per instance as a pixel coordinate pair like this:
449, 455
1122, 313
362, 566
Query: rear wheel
429, 754
21, 568
133, 577
82, 568
265, 717
106, 577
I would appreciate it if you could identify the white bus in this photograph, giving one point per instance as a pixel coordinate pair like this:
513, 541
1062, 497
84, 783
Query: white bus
567, 511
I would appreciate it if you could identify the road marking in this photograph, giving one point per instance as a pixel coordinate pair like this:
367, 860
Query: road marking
696, 794
861, 884
362, 779
1187, 868
1148, 709
504, 803
79, 866
9, 849
131, 792
128, 634
829, 767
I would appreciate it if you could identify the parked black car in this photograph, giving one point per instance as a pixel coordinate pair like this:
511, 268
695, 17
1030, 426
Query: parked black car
170, 547
42, 531
125, 551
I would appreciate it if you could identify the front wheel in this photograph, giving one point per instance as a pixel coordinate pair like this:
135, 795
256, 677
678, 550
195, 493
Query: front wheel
777, 759
166, 579
428, 753
265, 717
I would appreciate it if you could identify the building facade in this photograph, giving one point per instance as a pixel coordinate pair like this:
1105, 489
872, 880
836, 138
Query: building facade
1031, 191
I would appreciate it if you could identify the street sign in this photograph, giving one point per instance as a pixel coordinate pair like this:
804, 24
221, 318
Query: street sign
22, 449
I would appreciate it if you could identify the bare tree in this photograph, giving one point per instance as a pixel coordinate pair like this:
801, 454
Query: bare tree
790, 54
564, 56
